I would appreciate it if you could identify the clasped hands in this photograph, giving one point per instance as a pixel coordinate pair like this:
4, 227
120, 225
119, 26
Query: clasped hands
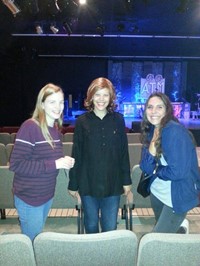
66, 162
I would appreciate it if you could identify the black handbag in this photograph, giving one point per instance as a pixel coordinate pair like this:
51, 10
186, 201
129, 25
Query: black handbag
143, 185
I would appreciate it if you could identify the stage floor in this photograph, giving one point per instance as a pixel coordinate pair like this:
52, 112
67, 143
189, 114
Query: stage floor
188, 123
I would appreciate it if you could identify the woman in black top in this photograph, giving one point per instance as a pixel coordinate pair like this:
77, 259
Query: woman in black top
102, 170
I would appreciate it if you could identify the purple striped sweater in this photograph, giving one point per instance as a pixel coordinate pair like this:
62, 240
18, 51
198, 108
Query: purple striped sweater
33, 162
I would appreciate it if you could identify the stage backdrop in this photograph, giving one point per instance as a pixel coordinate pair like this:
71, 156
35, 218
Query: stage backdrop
135, 81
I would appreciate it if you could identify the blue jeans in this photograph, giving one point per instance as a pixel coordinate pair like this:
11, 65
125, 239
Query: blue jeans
104, 210
32, 218
167, 221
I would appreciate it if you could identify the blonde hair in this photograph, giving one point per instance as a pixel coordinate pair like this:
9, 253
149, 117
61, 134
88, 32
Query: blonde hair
98, 84
39, 113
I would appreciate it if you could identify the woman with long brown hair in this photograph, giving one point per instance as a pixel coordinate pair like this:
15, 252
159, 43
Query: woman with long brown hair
169, 148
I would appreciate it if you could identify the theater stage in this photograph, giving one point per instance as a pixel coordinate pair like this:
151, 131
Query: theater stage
188, 123
134, 124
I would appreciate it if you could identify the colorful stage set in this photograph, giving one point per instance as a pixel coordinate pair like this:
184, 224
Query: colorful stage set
134, 84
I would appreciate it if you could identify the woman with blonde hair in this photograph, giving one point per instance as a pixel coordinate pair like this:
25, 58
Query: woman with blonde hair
102, 171
36, 159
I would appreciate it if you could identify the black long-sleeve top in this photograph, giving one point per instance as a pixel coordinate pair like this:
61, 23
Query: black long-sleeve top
100, 150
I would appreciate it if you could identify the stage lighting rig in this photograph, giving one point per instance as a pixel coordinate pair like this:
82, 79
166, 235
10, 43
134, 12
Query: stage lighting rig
54, 29
39, 29
12, 6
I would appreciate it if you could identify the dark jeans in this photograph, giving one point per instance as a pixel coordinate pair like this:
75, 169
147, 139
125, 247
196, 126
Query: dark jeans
167, 221
104, 210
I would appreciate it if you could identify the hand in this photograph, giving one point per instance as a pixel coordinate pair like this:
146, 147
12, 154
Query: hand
127, 189
75, 194
66, 162
129, 198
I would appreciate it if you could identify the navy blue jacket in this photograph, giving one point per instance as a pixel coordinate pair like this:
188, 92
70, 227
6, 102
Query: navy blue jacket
182, 170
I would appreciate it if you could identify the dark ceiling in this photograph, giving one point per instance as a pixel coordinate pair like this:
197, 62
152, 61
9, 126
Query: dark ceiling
165, 28
166, 17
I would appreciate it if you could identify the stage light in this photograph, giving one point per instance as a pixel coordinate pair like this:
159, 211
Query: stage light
82, 2
67, 27
12, 6
56, 4
54, 29
38, 29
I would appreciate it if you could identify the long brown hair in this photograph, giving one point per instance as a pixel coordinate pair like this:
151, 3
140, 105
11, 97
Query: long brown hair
146, 125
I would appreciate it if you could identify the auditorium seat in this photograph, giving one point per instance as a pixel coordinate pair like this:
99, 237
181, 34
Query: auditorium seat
67, 148
6, 195
9, 148
13, 136
117, 248
134, 150
169, 249
5, 138
133, 137
16, 249
68, 137
3, 156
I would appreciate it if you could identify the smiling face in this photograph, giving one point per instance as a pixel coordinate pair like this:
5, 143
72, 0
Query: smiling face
53, 107
101, 100
155, 110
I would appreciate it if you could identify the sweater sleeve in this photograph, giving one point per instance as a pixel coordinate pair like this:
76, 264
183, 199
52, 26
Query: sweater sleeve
24, 160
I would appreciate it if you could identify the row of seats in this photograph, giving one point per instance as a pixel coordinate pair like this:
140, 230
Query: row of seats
5, 151
133, 148
9, 129
99, 249
132, 137
120, 247
14, 129
62, 200
6, 138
